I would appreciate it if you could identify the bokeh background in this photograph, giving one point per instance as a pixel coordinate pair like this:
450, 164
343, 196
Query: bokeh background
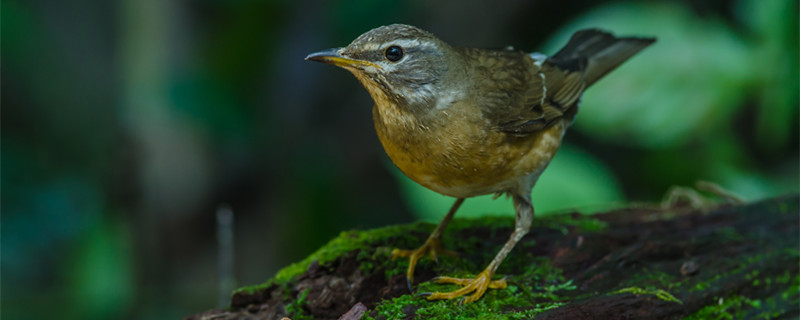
126, 126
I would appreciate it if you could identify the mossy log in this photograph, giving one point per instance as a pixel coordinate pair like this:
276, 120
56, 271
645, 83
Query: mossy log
722, 262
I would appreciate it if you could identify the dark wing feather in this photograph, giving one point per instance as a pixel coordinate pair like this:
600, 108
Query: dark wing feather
595, 53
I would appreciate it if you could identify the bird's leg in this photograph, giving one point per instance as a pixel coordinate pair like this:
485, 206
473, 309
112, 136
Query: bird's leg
432, 246
478, 285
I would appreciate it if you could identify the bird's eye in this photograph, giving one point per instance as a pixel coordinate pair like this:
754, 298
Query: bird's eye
393, 53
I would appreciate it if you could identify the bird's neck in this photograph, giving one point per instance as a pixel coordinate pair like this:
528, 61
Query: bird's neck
396, 112
396, 117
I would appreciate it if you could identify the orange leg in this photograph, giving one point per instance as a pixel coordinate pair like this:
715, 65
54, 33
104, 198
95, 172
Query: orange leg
432, 246
483, 281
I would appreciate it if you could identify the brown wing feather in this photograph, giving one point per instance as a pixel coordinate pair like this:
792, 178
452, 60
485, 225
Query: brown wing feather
551, 92
554, 89
504, 91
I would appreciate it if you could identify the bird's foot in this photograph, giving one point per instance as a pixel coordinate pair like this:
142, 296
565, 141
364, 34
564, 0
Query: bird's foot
477, 285
432, 246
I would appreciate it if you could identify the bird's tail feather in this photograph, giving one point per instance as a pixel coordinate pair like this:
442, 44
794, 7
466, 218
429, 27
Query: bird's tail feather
596, 52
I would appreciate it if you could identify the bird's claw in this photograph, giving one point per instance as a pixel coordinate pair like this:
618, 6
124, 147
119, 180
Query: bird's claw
477, 286
431, 246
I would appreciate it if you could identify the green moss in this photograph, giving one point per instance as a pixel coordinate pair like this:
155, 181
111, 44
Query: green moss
496, 304
393, 270
659, 293
541, 270
793, 291
295, 308
580, 222
394, 308
520, 300
375, 245
701, 286
705, 285
488, 222
534, 284
349, 241
739, 306
747, 265
367, 264
655, 279
733, 307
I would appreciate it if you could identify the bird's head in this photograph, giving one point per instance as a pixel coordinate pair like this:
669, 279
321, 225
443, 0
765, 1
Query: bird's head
398, 63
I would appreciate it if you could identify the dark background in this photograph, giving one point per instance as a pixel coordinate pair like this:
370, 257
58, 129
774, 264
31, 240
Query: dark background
127, 124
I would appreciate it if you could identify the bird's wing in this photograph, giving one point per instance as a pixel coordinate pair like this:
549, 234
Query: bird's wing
559, 81
549, 94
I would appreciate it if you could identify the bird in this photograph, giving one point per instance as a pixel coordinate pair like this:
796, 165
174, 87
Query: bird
466, 122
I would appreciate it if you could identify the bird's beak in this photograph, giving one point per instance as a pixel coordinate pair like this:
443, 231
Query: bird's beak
332, 56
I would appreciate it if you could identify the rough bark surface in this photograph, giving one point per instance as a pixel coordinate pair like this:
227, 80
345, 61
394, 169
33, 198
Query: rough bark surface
723, 262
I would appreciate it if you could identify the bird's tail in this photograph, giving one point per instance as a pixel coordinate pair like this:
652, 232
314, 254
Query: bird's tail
596, 52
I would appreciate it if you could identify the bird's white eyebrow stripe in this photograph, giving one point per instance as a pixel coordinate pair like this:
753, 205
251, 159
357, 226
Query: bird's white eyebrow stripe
403, 43
371, 46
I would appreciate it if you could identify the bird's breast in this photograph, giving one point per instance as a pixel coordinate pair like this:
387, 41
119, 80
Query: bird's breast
461, 155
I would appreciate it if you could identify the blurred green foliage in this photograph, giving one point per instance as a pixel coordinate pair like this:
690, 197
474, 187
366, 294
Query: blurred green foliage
695, 81
100, 272
126, 124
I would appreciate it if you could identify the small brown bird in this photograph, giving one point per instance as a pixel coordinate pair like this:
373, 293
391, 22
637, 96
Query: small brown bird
466, 122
